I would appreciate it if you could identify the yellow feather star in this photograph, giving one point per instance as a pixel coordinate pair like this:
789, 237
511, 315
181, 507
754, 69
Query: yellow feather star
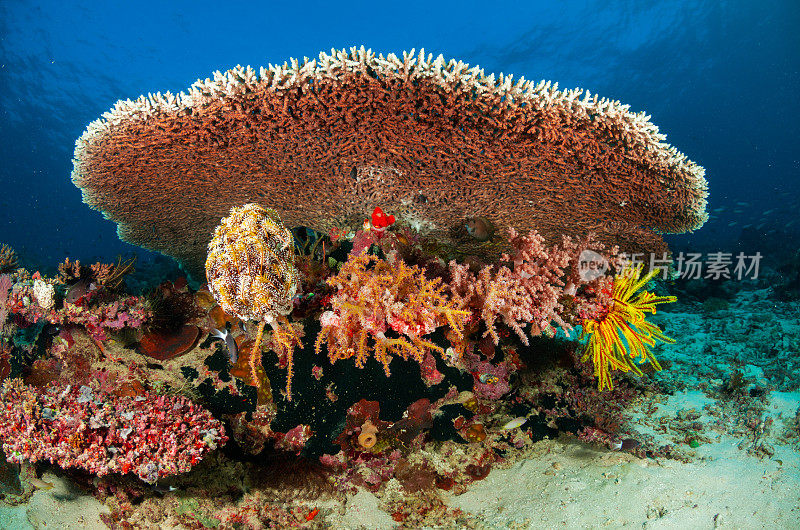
623, 334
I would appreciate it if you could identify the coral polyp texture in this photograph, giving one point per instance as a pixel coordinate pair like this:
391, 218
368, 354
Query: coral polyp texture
250, 265
148, 435
251, 274
437, 142
8, 259
621, 334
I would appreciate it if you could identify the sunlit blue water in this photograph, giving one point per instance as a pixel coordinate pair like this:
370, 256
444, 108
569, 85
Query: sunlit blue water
720, 79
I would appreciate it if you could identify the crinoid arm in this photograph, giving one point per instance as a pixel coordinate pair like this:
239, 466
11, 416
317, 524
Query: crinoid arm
622, 334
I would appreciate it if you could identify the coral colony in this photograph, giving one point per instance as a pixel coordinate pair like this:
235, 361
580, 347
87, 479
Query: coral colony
414, 232
251, 273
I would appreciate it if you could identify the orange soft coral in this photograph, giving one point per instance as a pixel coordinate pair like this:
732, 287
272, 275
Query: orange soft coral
373, 297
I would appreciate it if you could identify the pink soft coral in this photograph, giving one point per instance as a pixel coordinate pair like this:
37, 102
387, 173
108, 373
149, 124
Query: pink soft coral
531, 292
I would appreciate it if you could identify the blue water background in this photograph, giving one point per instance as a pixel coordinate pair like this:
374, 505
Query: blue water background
720, 78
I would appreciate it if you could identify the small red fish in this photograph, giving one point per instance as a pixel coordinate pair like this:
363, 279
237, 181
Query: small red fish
313, 513
380, 220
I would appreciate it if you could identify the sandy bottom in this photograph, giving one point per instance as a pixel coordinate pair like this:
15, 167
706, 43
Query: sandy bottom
578, 486
62, 506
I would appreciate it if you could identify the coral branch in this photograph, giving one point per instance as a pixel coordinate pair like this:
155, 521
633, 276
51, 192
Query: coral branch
374, 297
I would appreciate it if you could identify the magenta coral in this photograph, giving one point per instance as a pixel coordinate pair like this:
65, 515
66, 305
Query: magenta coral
126, 312
294, 439
97, 319
149, 435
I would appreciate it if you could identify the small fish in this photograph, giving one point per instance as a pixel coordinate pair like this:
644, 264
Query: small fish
487, 378
230, 342
629, 443
515, 423
80, 292
743, 204
732, 223
40, 484
769, 212
161, 490
718, 210
313, 513
479, 228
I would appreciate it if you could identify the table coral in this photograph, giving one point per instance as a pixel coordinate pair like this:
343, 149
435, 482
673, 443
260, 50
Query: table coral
437, 142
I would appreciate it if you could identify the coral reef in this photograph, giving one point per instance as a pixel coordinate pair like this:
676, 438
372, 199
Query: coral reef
81, 279
35, 300
251, 273
151, 436
8, 259
585, 163
118, 389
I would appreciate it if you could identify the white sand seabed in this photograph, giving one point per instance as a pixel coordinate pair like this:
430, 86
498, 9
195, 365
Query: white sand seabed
579, 486
583, 487
61, 507
595, 489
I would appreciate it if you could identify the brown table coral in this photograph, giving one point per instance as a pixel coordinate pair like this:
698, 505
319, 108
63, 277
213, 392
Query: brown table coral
437, 143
